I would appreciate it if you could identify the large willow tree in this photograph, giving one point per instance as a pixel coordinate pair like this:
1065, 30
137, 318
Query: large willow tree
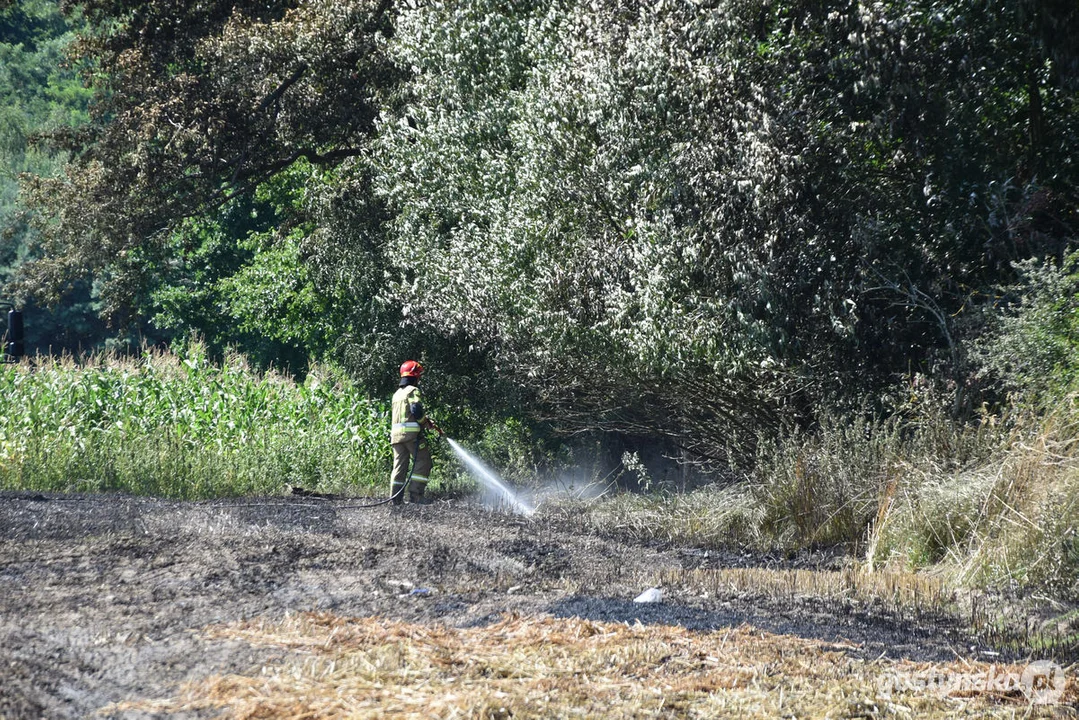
699, 218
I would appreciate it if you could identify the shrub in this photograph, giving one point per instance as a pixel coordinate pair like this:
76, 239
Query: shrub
823, 488
1032, 347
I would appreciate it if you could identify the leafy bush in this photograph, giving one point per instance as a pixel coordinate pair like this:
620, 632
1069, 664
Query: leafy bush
823, 488
1032, 349
523, 453
181, 426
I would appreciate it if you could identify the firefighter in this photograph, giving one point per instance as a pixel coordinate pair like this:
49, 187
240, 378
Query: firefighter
408, 439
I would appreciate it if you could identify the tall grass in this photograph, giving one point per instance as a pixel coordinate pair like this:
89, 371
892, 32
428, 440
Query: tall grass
990, 503
1011, 520
182, 426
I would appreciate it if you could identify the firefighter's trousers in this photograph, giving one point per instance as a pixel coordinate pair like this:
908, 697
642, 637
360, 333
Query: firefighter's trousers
402, 457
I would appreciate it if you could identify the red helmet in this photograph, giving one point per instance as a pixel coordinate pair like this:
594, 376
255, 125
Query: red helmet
411, 368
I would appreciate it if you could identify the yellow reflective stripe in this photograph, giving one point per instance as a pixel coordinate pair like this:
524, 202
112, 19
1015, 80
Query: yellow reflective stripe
407, 426
419, 478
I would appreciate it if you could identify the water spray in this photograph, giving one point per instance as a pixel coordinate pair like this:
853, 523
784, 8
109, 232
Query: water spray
491, 480
488, 477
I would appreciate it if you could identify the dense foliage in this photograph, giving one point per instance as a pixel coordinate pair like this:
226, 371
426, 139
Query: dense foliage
36, 92
39, 93
693, 221
1030, 349
828, 245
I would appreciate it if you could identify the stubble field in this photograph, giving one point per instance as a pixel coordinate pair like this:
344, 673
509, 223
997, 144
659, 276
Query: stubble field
122, 607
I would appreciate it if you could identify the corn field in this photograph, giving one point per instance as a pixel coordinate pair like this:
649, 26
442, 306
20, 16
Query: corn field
182, 426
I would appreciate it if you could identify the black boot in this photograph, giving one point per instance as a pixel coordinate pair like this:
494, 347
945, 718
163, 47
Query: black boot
415, 495
397, 493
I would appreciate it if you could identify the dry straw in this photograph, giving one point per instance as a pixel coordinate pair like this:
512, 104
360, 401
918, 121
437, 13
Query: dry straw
898, 591
543, 667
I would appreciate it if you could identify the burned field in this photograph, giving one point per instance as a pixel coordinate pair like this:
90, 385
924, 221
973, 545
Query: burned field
114, 606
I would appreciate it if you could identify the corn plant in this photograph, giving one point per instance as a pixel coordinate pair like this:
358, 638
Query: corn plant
179, 425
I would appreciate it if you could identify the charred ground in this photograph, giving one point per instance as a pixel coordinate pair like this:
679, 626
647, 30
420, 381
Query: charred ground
103, 596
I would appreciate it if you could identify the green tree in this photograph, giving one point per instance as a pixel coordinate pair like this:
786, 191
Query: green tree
39, 93
198, 105
691, 221
223, 186
1031, 348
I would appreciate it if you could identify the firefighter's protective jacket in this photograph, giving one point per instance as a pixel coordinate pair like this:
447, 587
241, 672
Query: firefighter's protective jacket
406, 414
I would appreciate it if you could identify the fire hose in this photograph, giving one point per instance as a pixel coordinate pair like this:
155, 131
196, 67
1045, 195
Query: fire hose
300, 492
